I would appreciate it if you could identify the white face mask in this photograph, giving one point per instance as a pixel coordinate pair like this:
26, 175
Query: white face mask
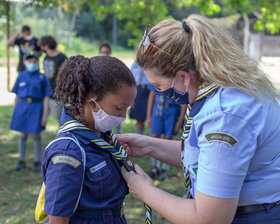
29, 37
104, 122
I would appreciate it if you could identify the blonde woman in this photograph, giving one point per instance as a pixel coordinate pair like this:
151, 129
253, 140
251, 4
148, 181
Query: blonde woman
231, 140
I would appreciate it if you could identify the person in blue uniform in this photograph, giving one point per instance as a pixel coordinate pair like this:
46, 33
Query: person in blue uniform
138, 110
230, 151
164, 121
96, 93
32, 91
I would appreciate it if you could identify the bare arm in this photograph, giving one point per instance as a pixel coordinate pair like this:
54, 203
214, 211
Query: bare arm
16, 100
168, 151
151, 101
58, 220
45, 111
203, 210
11, 41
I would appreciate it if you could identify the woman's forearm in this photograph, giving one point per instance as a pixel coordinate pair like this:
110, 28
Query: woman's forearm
167, 151
203, 210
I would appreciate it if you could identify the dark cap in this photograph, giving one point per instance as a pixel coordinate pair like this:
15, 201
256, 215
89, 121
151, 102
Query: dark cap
31, 54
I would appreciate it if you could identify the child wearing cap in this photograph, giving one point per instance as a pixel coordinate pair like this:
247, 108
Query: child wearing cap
32, 91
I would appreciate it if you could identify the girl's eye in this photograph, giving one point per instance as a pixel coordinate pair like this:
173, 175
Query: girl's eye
119, 109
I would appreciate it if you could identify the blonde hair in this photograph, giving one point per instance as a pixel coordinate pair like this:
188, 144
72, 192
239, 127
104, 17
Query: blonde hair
206, 49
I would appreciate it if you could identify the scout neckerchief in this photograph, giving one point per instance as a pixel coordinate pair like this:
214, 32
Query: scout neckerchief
116, 150
203, 93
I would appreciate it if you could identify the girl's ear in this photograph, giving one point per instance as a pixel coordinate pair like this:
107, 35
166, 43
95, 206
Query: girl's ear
91, 101
184, 77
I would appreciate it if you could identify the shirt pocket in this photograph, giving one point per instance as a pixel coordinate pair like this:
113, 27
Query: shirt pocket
96, 175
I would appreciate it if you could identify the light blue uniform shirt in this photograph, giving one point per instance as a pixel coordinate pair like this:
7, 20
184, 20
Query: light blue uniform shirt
139, 75
243, 161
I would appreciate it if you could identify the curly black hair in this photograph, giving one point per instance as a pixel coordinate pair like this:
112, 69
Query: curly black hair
79, 76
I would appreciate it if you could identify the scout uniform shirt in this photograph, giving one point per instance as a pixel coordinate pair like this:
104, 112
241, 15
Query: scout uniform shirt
233, 148
31, 88
104, 186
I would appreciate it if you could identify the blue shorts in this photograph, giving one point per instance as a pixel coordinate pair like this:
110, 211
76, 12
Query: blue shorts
267, 216
139, 111
165, 124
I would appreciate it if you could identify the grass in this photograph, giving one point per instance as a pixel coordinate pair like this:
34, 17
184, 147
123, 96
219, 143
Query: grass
19, 189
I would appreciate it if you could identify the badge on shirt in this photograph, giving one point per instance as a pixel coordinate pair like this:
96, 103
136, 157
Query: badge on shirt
98, 167
69, 160
21, 84
221, 137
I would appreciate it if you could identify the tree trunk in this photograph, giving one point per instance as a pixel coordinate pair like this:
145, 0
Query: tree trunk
114, 29
72, 26
8, 48
246, 33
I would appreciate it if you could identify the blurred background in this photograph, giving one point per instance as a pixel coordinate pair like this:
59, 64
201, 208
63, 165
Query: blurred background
79, 26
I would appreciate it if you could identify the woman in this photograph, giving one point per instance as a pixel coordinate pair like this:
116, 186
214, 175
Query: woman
231, 139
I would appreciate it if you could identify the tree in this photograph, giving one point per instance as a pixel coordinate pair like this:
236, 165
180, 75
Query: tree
136, 14
267, 13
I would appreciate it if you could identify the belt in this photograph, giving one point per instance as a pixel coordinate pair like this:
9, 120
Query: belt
98, 213
142, 86
247, 209
30, 99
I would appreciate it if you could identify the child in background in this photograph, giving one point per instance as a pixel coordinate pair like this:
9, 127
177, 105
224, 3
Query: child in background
165, 118
52, 61
105, 49
96, 93
31, 108
138, 109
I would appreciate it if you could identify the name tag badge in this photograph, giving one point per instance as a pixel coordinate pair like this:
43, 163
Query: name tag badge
69, 160
21, 84
221, 137
98, 167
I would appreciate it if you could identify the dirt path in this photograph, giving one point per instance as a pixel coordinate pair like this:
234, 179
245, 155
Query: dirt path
271, 65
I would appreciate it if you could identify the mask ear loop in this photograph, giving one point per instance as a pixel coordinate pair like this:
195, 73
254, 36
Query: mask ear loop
95, 102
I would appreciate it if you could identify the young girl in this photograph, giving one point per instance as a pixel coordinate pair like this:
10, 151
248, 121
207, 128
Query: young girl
96, 93
31, 108
165, 120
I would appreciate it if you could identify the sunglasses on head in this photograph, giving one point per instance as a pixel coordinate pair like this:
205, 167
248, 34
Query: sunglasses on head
147, 43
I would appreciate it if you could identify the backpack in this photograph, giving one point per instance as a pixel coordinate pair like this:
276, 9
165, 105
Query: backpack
40, 215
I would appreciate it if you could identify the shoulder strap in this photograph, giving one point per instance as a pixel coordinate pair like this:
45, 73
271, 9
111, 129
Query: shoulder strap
74, 139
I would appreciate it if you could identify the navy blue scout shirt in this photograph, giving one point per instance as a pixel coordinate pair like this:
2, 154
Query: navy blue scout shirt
104, 186
32, 84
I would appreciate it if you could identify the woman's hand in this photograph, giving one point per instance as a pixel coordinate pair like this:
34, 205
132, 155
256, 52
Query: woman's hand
138, 182
134, 144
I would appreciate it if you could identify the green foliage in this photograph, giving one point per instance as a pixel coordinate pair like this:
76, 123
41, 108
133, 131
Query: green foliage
266, 11
136, 14
206, 7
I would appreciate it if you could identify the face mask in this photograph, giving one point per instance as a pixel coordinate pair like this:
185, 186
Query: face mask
29, 37
172, 94
104, 122
32, 67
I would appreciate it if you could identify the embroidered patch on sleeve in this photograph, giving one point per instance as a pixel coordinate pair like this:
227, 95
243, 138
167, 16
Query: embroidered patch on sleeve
221, 137
69, 160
